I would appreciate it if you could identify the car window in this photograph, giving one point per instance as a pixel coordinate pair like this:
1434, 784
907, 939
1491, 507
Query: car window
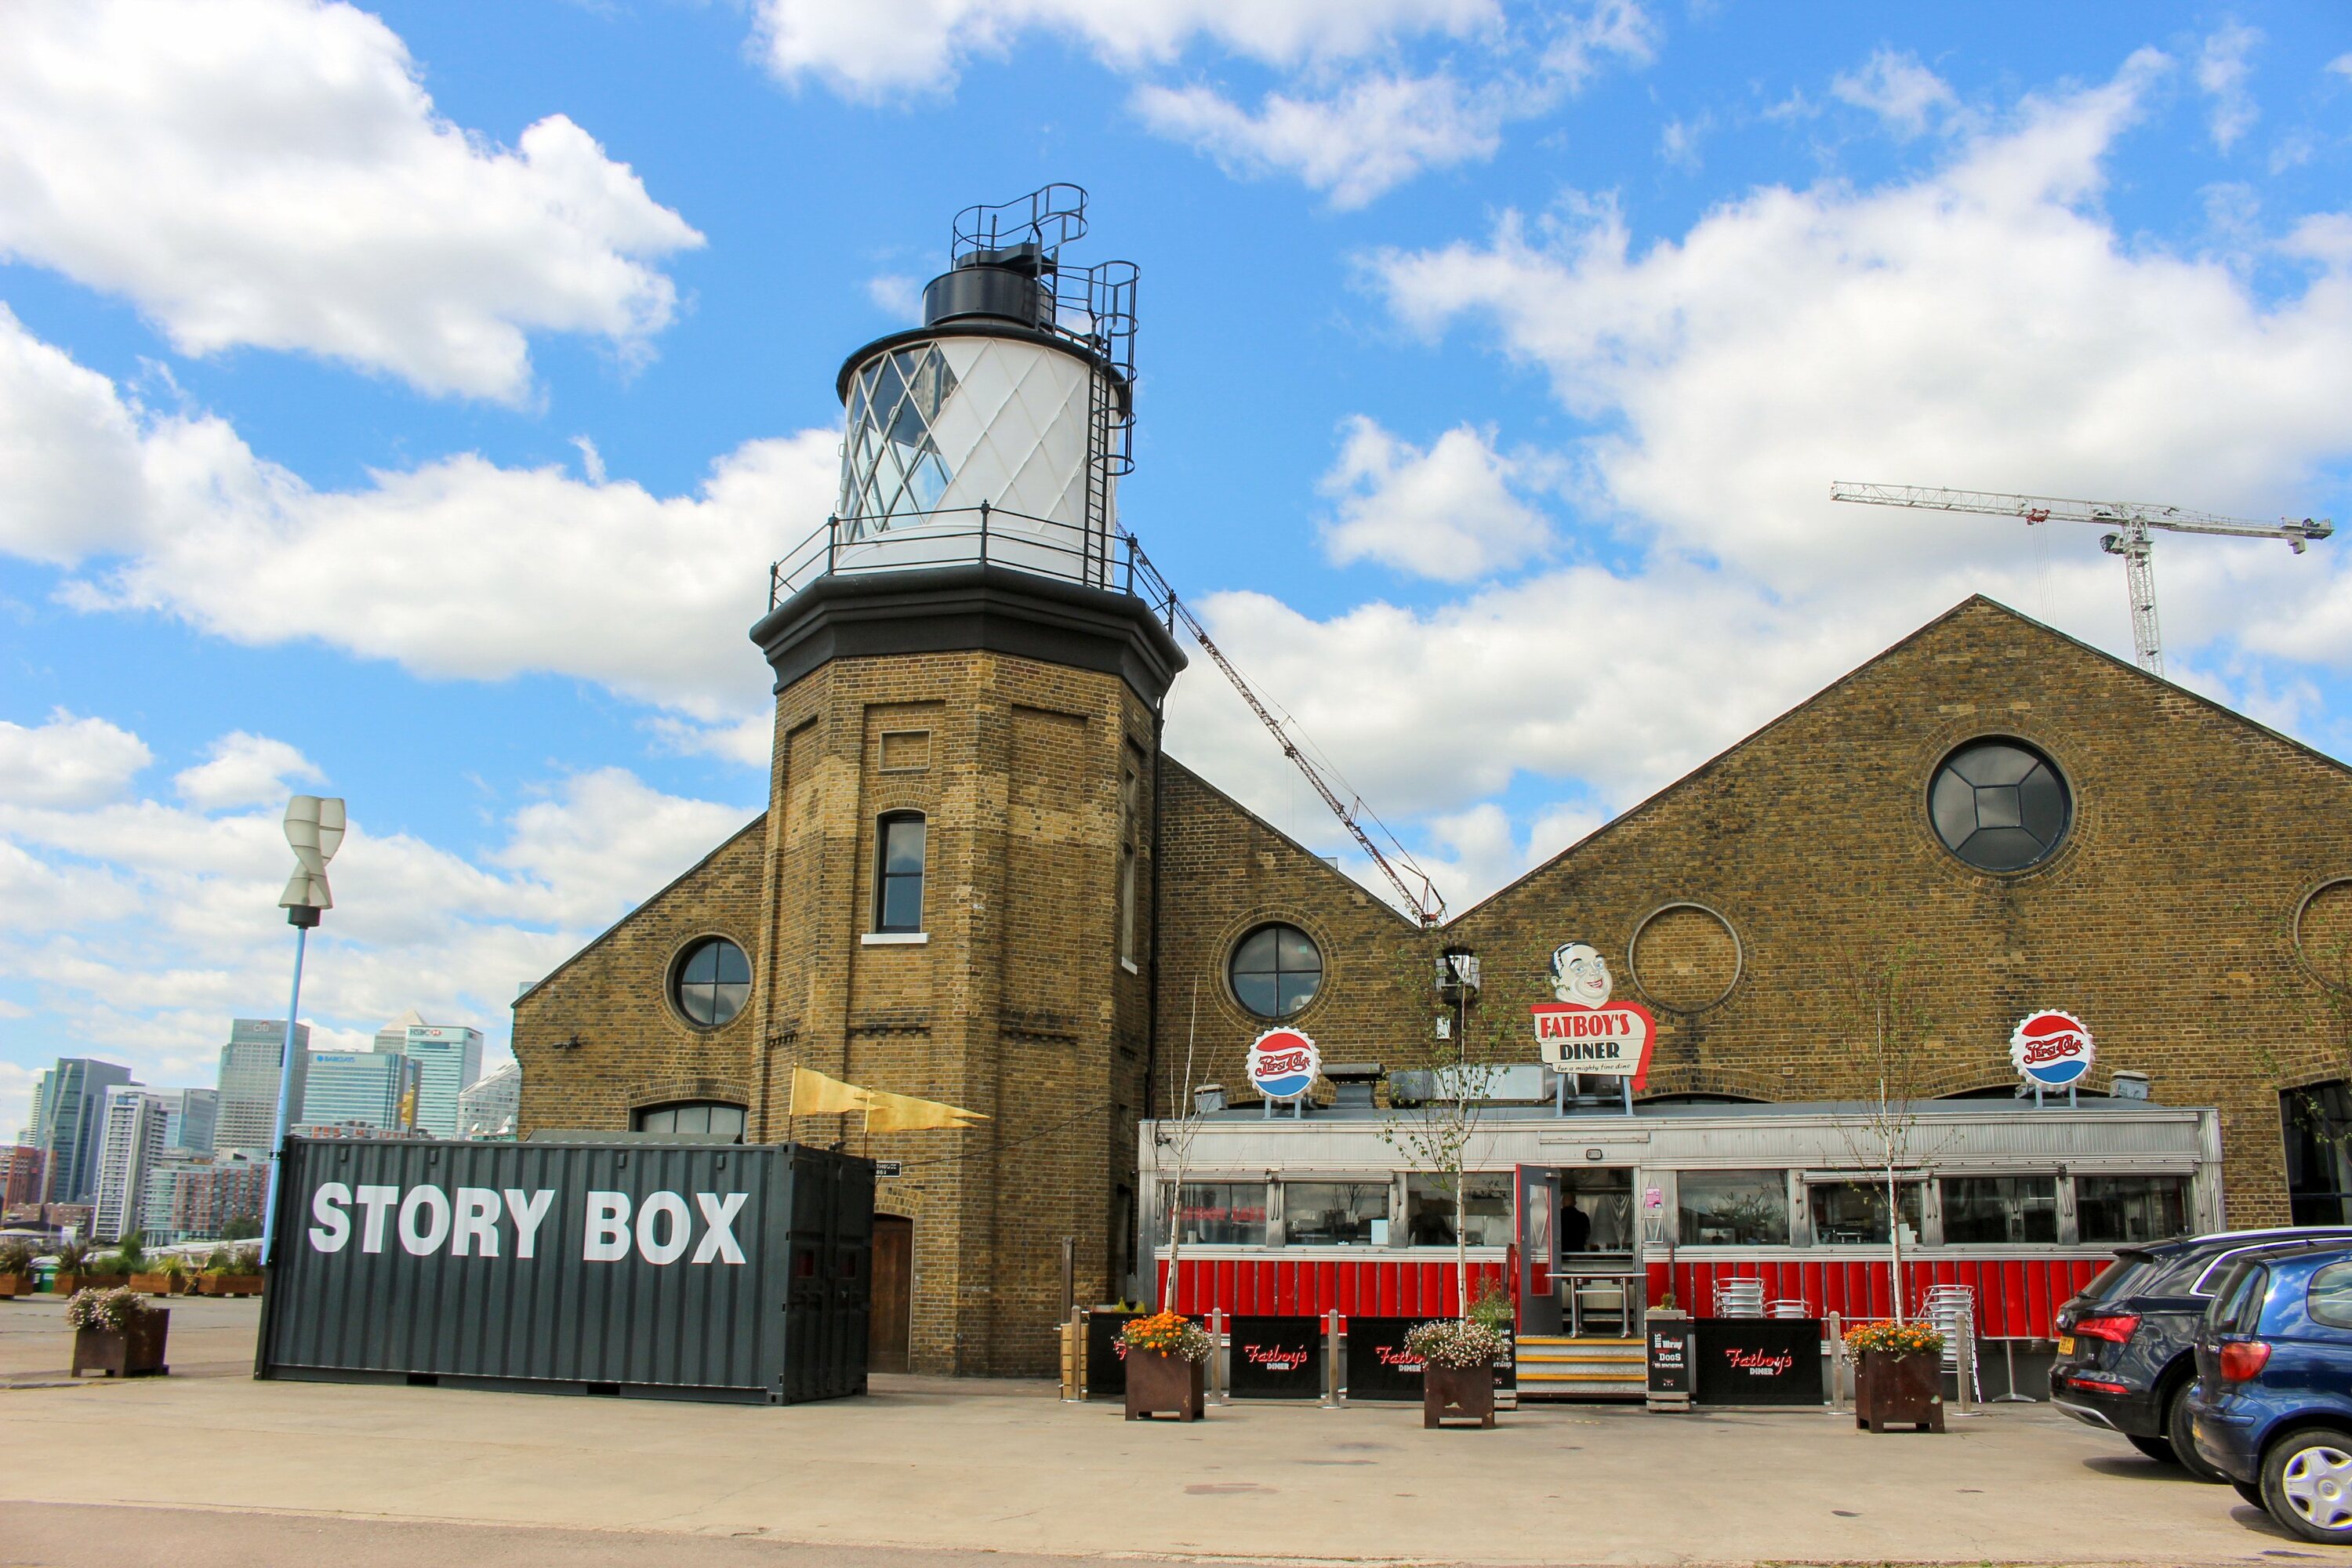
2328, 1297
2239, 1310
2123, 1277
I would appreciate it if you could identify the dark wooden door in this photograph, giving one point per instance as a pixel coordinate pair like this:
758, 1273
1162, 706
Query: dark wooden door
893, 1295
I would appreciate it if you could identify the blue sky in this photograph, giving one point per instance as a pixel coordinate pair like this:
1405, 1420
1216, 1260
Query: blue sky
405, 404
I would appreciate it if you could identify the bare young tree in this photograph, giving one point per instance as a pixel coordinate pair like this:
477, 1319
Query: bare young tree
1186, 1105
1457, 1072
1881, 1000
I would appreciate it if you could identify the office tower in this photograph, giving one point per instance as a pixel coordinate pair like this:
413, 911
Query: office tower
192, 1197
130, 1145
449, 1058
490, 1107
192, 1115
250, 1066
72, 1097
363, 1088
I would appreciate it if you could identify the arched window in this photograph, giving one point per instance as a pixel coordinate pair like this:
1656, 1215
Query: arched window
710, 982
692, 1116
899, 843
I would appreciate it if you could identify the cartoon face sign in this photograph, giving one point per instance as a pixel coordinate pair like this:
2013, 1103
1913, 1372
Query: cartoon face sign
1580, 974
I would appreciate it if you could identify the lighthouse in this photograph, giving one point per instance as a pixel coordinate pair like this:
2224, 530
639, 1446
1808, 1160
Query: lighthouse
959, 856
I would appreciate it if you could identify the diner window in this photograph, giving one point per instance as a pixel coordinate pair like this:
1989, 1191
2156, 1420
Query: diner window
898, 873
693, 1116
1221, 1214
1999, 1210
1334, 1213
1733, 1209
1853, 1214
2111, 1209
1485, 1203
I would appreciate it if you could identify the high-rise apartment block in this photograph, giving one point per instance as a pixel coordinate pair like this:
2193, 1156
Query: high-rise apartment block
191, 1116
20, 1176
129, 1146
68, 1105
448, 1058
250, 1066
360, 1088
488, 1110
192, 1197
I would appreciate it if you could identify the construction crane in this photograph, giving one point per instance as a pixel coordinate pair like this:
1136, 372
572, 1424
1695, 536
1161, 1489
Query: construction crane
2131, 519
1420, 895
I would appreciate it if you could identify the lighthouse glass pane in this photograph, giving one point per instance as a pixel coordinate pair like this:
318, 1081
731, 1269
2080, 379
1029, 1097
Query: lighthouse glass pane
892, 469
2000, 806
1275, 971
713, 982
1733, 1209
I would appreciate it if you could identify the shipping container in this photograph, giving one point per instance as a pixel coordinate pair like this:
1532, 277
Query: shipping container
655, 1270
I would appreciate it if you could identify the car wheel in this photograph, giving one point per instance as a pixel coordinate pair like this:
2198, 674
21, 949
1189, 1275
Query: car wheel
2156, 1448
2307, 1484
2183, 1440
2251, 1491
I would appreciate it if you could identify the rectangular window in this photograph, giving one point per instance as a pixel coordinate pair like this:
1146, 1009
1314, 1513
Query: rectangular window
1333, 1213
1127, 902
1733, 1209
898, 875
1853, 1214
1486, 1200
1221, 1214
1999, 1210
2111, 1209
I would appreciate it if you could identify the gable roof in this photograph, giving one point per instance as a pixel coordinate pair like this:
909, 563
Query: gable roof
1973, 603
639, 908
1272, 831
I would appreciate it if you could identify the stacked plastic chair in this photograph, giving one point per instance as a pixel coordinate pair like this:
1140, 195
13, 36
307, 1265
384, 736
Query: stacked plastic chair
1788, 1307
1740, 1298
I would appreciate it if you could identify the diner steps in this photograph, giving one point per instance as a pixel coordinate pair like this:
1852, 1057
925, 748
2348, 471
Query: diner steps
1552, 1366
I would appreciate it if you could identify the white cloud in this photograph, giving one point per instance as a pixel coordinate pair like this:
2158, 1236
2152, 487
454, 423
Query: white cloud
1377, 129
1982, 325
158, 921
887, 48
2222, 73
271, 174
897, 295
68, 761
2342, 65
1678, 142
1447, 511
1896, 88
244, 770
456, 568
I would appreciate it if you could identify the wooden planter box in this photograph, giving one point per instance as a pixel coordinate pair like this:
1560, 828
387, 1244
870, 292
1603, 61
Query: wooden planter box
1462, 1392
1157, 1383
1899, 1391
229, 1285
16, 1285
101, 1281
134, 1352
153, 1284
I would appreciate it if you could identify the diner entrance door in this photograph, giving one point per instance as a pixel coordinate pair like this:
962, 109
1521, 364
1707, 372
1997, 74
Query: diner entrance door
892, 1313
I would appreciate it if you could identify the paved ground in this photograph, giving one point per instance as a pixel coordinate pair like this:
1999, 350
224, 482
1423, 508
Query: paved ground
209, 1466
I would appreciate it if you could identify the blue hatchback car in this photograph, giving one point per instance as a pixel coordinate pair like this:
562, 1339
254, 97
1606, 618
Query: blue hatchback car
2273, 1408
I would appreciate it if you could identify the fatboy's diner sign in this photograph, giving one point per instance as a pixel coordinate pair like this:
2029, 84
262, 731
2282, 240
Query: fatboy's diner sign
513, 1222
1584, 1031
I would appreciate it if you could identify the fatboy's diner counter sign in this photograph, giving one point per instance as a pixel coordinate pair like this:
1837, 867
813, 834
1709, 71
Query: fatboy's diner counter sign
1584, 1031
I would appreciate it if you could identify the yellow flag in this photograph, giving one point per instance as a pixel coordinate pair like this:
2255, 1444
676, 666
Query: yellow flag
905, 1113
814, 1094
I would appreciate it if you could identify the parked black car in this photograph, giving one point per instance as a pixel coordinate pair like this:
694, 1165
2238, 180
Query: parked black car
2127, 1344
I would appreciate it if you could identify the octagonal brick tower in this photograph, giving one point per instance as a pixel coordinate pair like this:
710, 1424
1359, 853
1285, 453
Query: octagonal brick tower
959, 872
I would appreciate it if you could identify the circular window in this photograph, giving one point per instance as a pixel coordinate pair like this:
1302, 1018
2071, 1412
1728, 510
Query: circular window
711, 982
1275, 971
1684, 957
2000, 806
2323, 932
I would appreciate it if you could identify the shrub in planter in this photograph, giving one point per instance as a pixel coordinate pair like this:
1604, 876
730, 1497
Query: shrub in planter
1457, 1376
1898, 1375
1165, 1353
16, 1268
117, 1333
232, 1271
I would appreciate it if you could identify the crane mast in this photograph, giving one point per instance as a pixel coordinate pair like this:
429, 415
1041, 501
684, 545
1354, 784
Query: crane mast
2131, 521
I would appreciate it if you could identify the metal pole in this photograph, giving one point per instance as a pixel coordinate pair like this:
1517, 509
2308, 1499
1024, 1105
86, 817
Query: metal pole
284, 1091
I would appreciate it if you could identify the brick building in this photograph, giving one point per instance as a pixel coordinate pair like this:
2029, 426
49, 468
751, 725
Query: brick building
979, 881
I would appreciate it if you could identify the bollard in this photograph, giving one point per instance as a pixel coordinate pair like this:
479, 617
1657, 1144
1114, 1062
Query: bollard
1834, 1326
